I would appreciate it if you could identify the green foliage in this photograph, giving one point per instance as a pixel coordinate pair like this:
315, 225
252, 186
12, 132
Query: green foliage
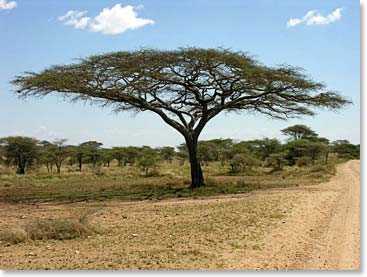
346, 150
93, 151
242, 161
119, 154
148, 162
107, 156
58, 152
267, 147
303, 161
276, 161
22, 152
298, 132
167, 153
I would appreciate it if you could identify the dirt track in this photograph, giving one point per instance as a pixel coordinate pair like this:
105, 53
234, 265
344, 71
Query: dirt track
323, 231
313, 227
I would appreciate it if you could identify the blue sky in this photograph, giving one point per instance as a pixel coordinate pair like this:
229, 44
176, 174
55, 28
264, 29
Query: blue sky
325, 44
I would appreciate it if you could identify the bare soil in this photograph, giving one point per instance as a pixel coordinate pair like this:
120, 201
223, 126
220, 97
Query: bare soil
310, 227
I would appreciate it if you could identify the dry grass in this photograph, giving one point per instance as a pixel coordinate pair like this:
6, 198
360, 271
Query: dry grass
128, 183
46, 229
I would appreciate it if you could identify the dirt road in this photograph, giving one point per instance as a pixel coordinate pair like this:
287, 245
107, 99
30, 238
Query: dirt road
323, 230
311, 227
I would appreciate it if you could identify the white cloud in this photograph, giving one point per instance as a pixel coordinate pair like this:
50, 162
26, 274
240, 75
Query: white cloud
313, 17
4, 5
112, 21
75, 19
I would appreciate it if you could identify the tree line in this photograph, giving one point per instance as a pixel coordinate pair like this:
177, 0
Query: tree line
303, 147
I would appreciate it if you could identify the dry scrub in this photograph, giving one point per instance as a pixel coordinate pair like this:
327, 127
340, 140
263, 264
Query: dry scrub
45, 229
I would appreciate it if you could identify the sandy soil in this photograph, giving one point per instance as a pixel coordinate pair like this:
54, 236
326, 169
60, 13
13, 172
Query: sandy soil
313, 227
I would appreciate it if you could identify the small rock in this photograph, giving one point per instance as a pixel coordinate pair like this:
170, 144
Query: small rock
23, 217
8, 244
77, 252
134, 235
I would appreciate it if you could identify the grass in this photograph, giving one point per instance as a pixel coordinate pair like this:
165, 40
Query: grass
128, 183
45, 229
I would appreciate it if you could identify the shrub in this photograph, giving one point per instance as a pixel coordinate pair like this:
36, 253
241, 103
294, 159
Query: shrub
58, 229
13, 234
319, 168
303, 161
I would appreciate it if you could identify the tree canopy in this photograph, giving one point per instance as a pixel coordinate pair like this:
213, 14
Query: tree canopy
185, 87
20, 151
297, 132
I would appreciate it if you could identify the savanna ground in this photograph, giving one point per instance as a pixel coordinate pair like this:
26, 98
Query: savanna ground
298, 218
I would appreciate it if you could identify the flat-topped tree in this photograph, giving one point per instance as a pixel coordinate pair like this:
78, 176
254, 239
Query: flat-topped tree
185, 87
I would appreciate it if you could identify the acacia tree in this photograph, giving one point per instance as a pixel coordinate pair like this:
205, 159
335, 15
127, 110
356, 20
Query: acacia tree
297, 132
185, 87
20, 151
93, 152
59, 153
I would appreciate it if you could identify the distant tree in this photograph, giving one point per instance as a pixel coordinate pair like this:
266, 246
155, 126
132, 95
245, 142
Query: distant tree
314, 150
119, 154
267, 146
326, 146
219, 147
132, 154
297, 132
206, 152
107, 156
167, 153
182, 154
346, 150
185, 87
148, 160
20, 151
341, 141
79, 153
92, 151
242, 161
242, 147
276, 161
46, 157
59, 152
294, 150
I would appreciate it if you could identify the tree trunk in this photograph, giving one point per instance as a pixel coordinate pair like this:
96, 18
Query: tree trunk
80, 166
21, 169
197, 179
326, 157
58, 169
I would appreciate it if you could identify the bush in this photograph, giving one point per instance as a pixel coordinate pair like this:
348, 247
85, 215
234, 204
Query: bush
13, 234
303, 161
57, 229
319, 168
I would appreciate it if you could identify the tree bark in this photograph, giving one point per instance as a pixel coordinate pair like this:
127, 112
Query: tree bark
197, 179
